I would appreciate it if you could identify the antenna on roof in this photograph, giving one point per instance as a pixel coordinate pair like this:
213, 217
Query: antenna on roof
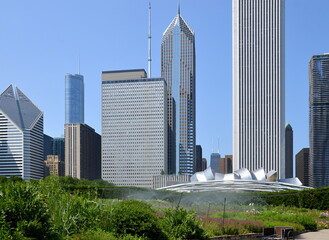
79, 64
149, 43
178, 7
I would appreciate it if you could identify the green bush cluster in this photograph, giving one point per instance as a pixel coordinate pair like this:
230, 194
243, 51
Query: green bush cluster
49, 209
316, 198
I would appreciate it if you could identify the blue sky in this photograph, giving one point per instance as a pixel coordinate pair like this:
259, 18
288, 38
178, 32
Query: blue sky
42, 40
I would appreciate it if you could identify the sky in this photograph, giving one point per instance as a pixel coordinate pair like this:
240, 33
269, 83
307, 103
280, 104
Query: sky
41, 41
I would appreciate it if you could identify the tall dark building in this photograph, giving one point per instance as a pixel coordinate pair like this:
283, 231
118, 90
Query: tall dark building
47, 146
82, 152
319, 120
289, 135
204, 164
178, 69
58, 148
74, 98
302, 166
198, 158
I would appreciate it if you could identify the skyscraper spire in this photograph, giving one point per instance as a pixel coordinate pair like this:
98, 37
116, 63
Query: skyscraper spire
178, 7
149, 44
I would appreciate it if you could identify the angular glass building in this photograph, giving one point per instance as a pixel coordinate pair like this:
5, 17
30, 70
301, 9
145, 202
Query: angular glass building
74, 98
178, 69
21, 136
319, 121
259, 85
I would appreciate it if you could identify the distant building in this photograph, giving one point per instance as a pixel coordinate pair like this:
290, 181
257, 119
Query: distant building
319, 121
169, 180
289, 135
134, 128
198, 158
302, 166
47, 146
204, 164
74, 98
58, 148
21, 136
178, 69
82, 151
54, 165
225, 164
214, 162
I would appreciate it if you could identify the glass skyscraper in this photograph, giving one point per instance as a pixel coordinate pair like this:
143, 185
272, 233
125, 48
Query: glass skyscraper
21, 136
178, 69
319, 121
259, 85
74, 98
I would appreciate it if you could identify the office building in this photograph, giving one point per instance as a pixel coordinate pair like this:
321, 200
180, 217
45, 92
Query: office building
198, 158
289, 149
54, 166
82, 151
74, 98
178, 69
259, 85
302, 166
225, 164
21, 136
214, 162
134, 127
169, 180
319, 121
58, 148
47, 146
204, 164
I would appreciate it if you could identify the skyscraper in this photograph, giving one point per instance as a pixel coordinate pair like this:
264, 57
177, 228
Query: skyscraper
289, 147
21, 136
214, 162
198, 158
134, 127
178, 69
74, 98
302, 166
259, 85
319, 121
82, 151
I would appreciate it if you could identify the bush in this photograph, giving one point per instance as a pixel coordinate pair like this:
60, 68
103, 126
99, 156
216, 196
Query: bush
181, 224
23, 210
135, 218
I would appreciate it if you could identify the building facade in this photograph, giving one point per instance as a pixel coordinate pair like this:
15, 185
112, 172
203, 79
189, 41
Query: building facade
302, 166
21, 136
169, 180
74, 98
198, 158
289, 149
82, 152
225, 164
214, 162
134, 127
204, 164
259, 85
178, 69
54, 166
319, 121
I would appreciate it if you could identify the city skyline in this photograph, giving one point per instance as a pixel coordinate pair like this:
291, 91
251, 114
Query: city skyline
35, 42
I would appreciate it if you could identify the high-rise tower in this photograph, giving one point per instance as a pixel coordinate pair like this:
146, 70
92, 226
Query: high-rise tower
21, 136
74, 98
178, 69
319, 121
259, 84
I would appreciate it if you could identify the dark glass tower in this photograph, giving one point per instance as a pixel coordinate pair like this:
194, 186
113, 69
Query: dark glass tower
178, 69
289, 145
74, 99
319, 121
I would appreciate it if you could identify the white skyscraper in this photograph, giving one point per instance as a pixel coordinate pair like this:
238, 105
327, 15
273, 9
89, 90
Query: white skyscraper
21, 136
259, 84
134, 127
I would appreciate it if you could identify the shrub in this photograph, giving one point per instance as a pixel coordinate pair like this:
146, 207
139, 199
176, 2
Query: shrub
135, 218
181, 224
